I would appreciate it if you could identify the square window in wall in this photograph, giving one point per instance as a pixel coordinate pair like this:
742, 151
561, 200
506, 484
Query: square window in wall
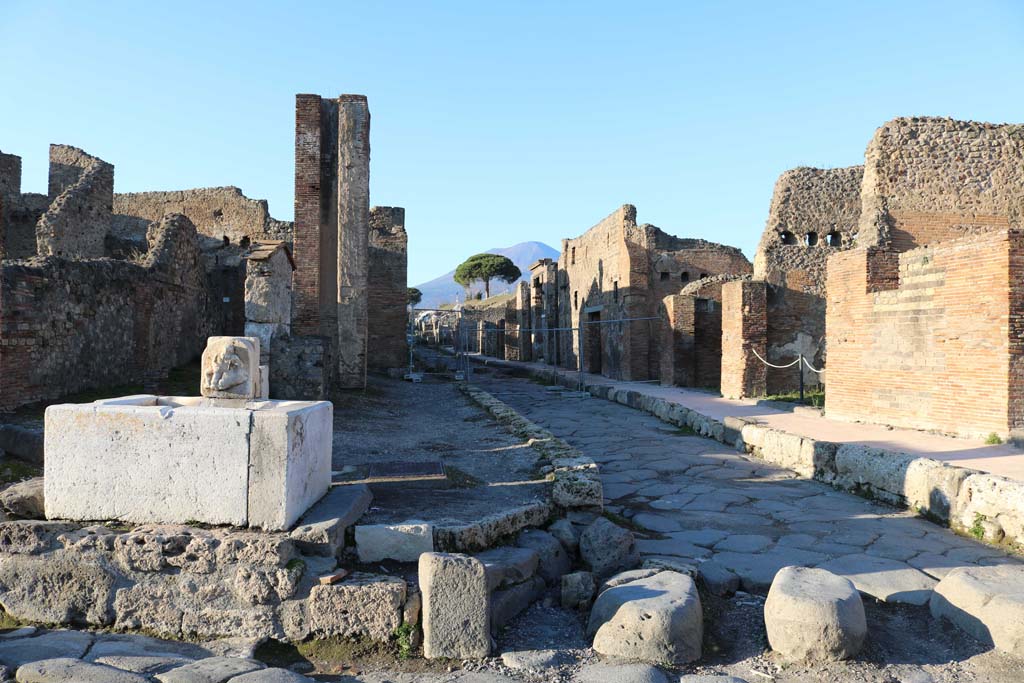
664, 276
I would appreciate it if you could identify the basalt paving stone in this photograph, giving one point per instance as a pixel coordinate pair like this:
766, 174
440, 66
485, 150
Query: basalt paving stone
671, 547
757, 570
673, 502
702, 537
884, 579
743, 543
657, 522
659, 490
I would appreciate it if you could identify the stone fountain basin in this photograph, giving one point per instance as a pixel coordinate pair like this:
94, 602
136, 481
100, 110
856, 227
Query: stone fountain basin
187, 459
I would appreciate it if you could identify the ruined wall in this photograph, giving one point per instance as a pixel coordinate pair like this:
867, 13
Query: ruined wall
744, 336
217, 212
268, 295
813, 214
81, 191
72, 325
928, 180
930, 338
544, 314
388, 317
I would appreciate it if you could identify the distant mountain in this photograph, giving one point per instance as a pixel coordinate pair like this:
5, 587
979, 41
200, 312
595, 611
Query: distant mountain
445, 290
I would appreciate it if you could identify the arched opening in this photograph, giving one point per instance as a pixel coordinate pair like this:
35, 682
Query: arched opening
811, 239
834, 239
787, 237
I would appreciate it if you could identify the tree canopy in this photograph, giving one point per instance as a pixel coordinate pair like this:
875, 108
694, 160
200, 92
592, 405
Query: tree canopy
484, 268
415, 296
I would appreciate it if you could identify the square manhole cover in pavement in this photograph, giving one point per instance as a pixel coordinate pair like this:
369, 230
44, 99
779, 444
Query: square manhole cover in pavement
405, 471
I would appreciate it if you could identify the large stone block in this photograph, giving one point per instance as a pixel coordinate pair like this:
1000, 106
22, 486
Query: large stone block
657, 619
992, 499
456, 606
181, 459
230, 368
403, 542
364, 605
606, 548
986, 602
814, 614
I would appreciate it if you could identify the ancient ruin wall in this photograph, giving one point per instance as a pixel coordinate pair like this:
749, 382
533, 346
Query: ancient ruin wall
388, 289
72, 325
744, 337
928, 180
932, 343
813, 214
81, 189
217, 212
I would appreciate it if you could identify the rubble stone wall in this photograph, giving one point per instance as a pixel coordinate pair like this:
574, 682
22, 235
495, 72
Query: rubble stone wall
81, 190
928, 180
388, 289
933, 343
217, 212
72, 325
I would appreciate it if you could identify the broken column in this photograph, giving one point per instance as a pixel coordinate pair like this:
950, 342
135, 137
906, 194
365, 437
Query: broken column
388, 289
744, 337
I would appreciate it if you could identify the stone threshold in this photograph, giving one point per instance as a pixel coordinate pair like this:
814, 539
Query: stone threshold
985, 506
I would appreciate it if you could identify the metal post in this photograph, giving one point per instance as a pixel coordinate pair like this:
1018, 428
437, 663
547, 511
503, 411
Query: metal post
800, 365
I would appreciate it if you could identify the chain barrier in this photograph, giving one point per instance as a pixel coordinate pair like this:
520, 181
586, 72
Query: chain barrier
800, 362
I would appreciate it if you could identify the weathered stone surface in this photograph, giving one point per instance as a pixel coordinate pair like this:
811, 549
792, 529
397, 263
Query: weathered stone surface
509, 603
656, 620
363, 605
24, 499
66, 670
757, 570
607, 548
577, 488
506, 565
534, 660
142, 664
814, 614
322, 529
718, 579
230, 368
64, 588
986, 602
403, 542
993, 499
456, 606
211, 670
567, 534
710, 678
884, 579
271, 676
477, 536
51, 645
553, 558
577, 590
619, 673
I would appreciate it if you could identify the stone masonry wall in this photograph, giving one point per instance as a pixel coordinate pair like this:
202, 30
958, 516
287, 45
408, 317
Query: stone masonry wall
388, 317
217, 212
72, 325
744, 332
81, 190
928, 180
940, 346
813, 214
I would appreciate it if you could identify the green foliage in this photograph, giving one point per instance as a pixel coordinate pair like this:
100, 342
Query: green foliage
403, 635
993, 439
812, 397
977, 530
415, 296
484, 268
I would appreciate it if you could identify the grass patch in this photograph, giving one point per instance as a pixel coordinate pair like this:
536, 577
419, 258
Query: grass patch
993, 439
977, 530
403, 637
460, 479
685, 430
13, 471
812, 397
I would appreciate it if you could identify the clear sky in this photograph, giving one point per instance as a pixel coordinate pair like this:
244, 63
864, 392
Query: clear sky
496, 123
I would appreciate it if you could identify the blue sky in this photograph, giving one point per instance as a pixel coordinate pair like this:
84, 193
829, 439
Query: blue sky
495, 123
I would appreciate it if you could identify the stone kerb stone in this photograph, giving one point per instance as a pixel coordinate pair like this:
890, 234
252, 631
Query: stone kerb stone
456, 606
995, 503
986, 602
814, 614
657, 619
230, 368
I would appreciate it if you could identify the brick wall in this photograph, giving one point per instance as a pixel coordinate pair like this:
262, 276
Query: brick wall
388, 319
72, 325
744, 331
308, 214
937, 348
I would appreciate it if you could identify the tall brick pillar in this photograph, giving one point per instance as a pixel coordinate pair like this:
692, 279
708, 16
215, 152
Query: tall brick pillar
309, 186
524, 321
744, 332
678, 341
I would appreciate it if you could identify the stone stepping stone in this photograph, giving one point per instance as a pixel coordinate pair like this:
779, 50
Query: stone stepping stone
66, 670
986, 602
619, 673
212, 670
657, 619
50, 645
884, 579
814, 614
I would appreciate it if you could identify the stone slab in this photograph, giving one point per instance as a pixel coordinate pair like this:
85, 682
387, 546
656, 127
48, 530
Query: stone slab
321, 530
986, 602
67, 670
211, 670
50, 645
403, 542
884, 579
456, 606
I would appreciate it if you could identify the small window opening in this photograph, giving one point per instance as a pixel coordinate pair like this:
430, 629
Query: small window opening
227, 241
573, 256
811, 239
787, 237
615, 291
685, 277
576, 299
834, 239
664, 276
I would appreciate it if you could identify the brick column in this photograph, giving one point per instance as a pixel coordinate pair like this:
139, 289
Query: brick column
306, 239
678, 341
744, 331
353, 238
524, 321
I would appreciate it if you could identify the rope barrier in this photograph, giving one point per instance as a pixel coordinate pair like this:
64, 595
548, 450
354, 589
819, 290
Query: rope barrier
771, 365
811, 368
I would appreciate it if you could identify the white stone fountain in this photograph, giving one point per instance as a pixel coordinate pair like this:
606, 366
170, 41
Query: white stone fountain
225, 457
